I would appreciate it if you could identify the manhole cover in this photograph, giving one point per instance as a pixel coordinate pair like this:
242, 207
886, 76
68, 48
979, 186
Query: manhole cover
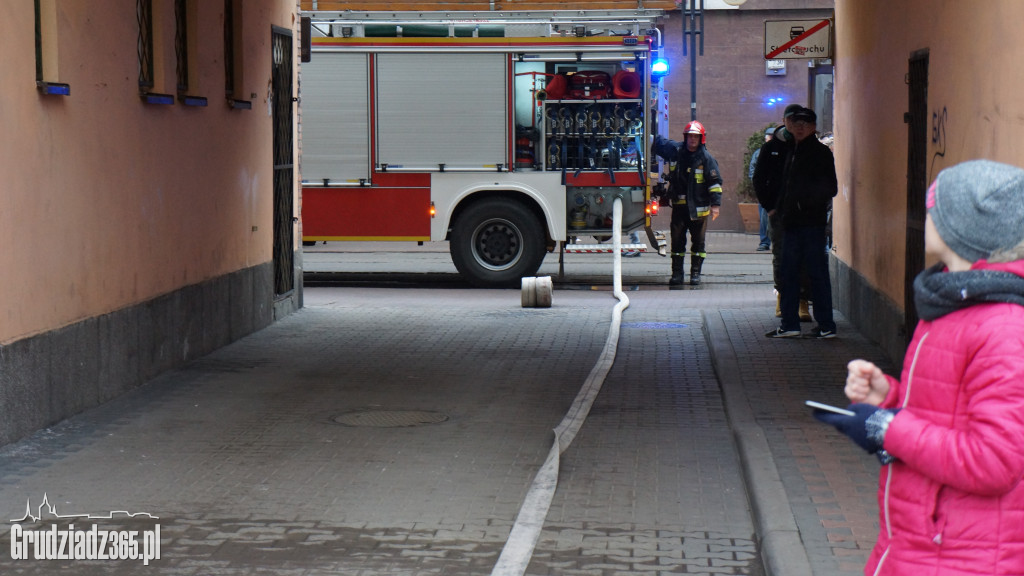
389, 418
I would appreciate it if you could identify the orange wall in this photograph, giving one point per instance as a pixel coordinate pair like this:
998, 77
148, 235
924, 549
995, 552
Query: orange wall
974, 102
108, 201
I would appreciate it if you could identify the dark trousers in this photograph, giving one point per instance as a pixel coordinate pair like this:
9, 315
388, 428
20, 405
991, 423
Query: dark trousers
762, 214
680, 226
777, 234
803, 250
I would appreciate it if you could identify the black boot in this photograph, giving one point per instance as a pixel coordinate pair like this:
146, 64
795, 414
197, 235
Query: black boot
695, 264
677, 271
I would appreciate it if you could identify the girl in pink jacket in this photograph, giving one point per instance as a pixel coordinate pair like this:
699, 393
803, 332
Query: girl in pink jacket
950, 431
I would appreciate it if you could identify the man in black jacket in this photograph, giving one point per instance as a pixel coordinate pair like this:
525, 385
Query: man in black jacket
695, 188
808, 186
767, 181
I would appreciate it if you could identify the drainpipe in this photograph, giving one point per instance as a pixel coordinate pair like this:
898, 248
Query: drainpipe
690, 28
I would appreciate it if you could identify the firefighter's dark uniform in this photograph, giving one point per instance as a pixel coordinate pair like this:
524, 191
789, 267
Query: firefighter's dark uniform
695, 185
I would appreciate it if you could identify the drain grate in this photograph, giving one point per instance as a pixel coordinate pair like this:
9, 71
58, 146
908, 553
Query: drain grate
389, 418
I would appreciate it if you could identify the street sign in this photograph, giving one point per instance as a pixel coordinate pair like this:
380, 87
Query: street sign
787, 39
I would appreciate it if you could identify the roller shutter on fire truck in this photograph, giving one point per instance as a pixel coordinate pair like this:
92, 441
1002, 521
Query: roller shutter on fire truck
431, 110
374, 150
442, 109
336, 120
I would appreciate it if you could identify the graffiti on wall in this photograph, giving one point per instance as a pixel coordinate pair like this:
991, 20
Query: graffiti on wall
938, 138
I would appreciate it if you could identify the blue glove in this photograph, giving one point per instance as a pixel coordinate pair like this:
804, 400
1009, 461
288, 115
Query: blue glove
866, 427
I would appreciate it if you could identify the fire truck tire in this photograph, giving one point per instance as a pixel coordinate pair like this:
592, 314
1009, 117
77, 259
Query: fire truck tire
496, 242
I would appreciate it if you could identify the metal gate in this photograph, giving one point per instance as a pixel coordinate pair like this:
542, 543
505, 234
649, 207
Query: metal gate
917, 182
284, 162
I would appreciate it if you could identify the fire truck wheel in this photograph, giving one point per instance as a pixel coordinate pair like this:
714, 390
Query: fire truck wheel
496, 242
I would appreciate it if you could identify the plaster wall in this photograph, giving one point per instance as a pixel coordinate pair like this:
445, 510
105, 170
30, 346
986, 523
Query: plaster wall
137, 237
110, 202
974, 104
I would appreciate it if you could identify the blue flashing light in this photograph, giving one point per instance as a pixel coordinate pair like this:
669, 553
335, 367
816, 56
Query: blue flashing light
774, 101
659, 67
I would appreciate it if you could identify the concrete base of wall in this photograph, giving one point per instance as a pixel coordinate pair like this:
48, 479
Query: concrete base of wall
51, 376
874, 314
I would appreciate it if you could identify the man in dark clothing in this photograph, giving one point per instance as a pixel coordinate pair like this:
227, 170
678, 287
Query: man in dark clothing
767, 181
695, 189
768, 174
808, 186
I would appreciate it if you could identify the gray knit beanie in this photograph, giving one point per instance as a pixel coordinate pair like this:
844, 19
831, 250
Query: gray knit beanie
978, 208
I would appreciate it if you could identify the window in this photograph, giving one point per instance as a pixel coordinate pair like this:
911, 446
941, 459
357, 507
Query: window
148, 55
46, 49
185, 50
144, 12
233, 54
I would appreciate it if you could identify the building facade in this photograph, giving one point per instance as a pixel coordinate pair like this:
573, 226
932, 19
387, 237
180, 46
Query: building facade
922, 86
149, 201
737, 93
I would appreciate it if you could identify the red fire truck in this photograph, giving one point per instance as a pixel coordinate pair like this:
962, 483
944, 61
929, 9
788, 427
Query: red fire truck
503, 133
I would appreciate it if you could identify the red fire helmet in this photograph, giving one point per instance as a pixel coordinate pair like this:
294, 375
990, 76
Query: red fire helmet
695, 127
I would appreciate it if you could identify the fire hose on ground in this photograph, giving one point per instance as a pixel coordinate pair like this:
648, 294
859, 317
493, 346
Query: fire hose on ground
522, 540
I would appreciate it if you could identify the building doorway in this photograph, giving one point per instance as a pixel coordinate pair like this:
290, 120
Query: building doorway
820, 88
284, 162
917, 182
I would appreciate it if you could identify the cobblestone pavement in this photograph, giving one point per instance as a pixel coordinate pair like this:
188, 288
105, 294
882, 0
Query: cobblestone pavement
251, 461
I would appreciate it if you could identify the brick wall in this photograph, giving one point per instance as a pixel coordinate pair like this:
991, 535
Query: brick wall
733, 90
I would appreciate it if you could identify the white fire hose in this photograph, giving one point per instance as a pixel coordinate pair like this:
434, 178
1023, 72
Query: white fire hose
518, 550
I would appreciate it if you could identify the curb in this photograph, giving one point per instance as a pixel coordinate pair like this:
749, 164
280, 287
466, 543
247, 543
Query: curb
782, 549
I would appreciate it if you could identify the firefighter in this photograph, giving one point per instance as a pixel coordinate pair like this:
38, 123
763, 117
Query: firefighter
695, 191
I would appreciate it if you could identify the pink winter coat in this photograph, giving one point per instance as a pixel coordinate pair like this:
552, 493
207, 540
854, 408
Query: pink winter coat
953, 501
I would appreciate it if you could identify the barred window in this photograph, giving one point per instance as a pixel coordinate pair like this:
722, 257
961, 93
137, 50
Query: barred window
144, 13
233, 55
185, 41
151, 73
229, 48
181, 42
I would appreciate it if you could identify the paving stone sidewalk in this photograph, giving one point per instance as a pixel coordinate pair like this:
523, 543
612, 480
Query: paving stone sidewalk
242, 456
